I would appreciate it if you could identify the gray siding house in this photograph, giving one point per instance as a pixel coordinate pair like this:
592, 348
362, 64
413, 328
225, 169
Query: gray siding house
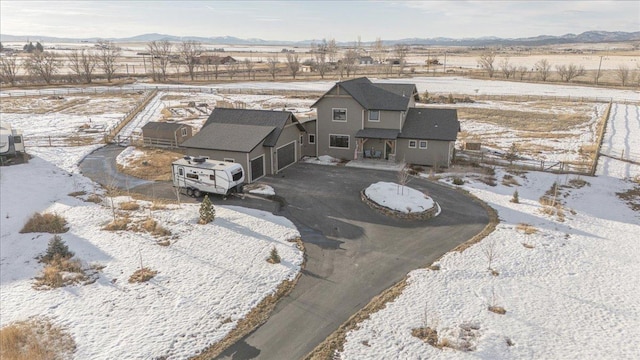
361, 119
264, 142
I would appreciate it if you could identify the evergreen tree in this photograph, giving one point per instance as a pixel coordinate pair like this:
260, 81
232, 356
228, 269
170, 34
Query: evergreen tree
39, 47
274, 257
516, 197
207, 212
56, 248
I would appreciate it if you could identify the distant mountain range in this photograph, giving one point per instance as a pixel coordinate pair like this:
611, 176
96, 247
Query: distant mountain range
585, 37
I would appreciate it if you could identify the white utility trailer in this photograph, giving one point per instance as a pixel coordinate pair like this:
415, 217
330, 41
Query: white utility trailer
196, 176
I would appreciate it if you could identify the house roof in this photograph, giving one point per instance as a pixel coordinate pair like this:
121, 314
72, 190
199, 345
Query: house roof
163, 126
386, 134
431, 124
377, 96
229, 137
275, 120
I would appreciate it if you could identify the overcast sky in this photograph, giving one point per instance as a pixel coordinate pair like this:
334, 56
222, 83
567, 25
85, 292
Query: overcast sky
307, 20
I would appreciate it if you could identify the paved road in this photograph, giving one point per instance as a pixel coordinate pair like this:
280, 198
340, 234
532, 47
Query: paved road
353, 252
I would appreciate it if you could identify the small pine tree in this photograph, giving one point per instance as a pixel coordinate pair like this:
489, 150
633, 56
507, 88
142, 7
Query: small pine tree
56, 248
516, 197
274, 257
207, 212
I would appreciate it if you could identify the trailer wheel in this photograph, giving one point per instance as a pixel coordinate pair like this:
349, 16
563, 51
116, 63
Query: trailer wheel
197, 193
190, 192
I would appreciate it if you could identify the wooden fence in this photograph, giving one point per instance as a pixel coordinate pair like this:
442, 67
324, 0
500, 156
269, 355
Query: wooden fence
114, 130
558, 167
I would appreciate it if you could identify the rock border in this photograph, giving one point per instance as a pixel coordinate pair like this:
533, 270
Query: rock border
427, 214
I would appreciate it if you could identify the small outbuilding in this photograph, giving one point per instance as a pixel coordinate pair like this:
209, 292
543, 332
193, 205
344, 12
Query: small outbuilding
165, 134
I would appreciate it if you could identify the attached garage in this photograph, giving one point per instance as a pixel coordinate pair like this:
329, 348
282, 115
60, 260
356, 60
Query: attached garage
257, 168
286, 155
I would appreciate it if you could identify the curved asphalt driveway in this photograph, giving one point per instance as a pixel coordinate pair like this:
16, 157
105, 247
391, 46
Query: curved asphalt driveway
353, 252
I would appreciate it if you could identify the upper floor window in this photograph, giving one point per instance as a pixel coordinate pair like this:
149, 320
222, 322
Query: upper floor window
374, 115
423, 144
312, 138
340, 115
184, 131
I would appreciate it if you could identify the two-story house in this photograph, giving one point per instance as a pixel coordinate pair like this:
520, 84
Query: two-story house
361, 119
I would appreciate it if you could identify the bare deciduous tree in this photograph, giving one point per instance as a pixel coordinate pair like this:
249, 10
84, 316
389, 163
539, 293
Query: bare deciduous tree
248, 66
507, 69
8, 69
523, 70
189, 53
349, 62
272, 65
490, 252
543, 67
232, 69
401, 51
320, 54
107, 54
43, 64
622, 73
332, 50
293, 64
160, 55
403, 176
379, 51
569, 72
485, 61
83, 63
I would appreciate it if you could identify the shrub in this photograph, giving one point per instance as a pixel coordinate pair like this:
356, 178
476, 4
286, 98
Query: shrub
36, 338
152, 226
142, 275
117, 224
129, 205
49, 223
489, 180
509, 180
274, 257
56, 249
426, 334
458, 181
497, 309
207, 212
526, 228
516, 198
94, 198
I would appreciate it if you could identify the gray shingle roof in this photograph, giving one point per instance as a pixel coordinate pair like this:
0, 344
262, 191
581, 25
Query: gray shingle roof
377, 96
162, 126
274, 119
229, 137
431, 124
369, 133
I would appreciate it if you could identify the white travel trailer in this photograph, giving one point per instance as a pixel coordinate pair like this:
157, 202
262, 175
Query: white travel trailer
11, 141
199, 175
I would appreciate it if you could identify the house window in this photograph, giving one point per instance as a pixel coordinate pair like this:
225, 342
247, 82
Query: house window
192, 176
184, 131
301, 139
339, 141
423, 144
374, 115
312, 138
413, 144
340, 115
229, 160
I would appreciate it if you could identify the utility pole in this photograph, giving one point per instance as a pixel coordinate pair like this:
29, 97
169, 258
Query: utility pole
598, 73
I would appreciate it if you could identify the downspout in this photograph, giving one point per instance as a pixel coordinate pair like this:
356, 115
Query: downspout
249, 168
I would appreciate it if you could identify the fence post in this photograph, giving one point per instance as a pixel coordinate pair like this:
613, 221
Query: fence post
49, 140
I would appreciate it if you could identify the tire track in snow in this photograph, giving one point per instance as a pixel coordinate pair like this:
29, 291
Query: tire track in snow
627, 148
612, 129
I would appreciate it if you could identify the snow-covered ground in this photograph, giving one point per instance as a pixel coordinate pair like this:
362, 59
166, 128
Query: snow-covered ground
564, 281
209, 277
399, 198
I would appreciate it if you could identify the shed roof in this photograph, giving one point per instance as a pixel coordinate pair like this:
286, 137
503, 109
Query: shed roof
431, 124
163, 126
229, 137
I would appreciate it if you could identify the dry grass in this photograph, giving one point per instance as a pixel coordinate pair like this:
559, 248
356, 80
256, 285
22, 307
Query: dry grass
94, 198
35, 339
129, 206
142, 275
578, 183
528, 246
528, 229
488, 180
509, 180
427, 334
120, 223
155, 164
528, 121
631, 197
60, 272
497, 309
77, 193
47, 222
151, 226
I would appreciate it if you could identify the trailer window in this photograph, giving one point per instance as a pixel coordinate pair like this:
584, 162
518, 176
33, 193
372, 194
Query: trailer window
212, 178
180, 172
17, 139
237, 176
192, 176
